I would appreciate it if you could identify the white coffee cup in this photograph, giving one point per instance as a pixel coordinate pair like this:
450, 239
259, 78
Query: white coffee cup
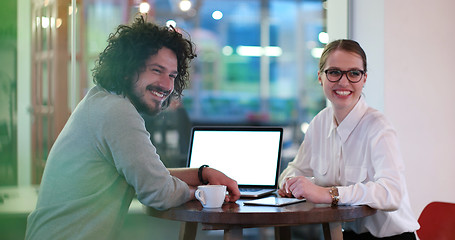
211, 196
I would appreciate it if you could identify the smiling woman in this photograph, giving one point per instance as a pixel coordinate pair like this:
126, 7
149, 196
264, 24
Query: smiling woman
351, 151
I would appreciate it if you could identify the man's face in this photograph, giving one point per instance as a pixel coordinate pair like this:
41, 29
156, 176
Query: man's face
155, 83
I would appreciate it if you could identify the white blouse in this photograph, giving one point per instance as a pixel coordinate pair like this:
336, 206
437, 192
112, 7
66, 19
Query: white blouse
361, 156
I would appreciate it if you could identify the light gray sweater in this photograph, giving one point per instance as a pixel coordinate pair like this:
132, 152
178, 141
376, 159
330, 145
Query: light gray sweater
100, 160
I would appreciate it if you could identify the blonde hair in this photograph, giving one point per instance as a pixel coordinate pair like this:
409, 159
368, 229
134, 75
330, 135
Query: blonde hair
346, 45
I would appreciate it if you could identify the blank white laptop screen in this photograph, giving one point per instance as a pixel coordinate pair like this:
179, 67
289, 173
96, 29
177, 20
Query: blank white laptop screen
251, 156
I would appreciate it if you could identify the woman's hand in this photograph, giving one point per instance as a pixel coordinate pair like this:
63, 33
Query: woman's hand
302, 187
284, 190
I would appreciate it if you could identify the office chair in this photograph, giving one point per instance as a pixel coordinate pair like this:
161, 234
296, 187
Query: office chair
437, 221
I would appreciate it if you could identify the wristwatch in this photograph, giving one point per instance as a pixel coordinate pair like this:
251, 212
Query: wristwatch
334, 195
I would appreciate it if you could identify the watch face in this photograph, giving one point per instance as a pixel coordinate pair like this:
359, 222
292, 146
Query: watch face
334, 195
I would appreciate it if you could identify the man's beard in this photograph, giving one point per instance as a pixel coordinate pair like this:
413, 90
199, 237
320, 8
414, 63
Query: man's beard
143, 108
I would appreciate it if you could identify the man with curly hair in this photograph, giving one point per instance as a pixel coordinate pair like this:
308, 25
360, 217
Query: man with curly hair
104, 157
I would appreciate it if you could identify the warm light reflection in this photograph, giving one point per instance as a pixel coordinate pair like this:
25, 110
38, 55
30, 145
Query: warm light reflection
70, 10
46, 22
255, 51
58, 22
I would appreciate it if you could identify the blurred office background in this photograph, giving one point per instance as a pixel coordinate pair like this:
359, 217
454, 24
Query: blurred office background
256, 65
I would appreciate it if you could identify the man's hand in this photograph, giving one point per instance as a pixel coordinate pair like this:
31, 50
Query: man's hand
215, 177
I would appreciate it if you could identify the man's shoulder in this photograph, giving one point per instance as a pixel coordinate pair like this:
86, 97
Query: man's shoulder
100, 98
104, 107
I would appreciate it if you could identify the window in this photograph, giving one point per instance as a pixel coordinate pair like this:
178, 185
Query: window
257, 61
256, 65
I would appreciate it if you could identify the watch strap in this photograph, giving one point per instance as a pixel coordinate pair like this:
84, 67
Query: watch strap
199, 174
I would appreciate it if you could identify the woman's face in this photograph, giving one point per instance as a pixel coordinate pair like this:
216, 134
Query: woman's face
343, 94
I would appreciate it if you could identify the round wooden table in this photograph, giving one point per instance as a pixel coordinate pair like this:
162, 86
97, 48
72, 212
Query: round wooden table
233, 217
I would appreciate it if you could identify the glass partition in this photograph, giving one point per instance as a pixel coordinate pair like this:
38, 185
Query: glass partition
256, 65
257, 62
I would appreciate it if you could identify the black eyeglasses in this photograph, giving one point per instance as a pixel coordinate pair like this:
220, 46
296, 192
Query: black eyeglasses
335, 75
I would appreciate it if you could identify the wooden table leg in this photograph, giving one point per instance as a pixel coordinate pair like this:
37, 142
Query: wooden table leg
234, 233
283, 233
332, 231
188, 231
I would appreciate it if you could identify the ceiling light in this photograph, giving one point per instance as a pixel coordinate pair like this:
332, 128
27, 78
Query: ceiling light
144, 7
217, 15
185, 5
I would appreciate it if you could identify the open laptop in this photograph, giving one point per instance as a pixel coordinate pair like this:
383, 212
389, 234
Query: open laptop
249, 155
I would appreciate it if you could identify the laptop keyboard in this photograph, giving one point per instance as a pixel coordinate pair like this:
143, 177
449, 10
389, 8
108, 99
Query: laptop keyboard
251, 189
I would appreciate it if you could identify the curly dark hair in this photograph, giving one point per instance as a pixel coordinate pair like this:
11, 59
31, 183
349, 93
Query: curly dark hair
129, 48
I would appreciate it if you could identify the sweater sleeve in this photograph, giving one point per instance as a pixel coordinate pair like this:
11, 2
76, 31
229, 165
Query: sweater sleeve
124, 134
